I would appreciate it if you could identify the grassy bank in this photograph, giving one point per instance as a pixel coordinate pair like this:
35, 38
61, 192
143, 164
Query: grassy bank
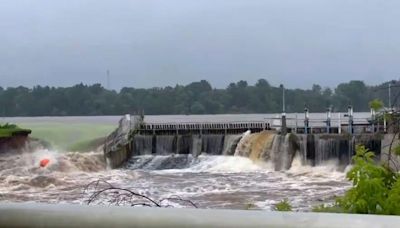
87, 145
9, 130
69, 136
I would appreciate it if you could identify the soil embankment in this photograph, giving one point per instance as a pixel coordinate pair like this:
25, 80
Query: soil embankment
12, 137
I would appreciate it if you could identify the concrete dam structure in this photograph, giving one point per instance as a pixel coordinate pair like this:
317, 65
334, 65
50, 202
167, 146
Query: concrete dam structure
143, 145
265, 146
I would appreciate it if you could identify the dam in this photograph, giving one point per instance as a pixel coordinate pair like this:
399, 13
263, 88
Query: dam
240, 169
311, 137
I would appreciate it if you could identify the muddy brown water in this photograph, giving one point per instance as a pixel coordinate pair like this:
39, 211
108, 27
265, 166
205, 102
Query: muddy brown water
209, 181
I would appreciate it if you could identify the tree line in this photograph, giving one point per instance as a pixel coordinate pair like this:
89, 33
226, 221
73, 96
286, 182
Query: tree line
195, 98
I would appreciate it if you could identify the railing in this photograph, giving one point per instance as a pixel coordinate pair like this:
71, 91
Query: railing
295, 122
64, 215
199, 126
268, 123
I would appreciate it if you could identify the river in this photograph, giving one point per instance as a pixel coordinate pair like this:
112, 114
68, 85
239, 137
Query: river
208, 181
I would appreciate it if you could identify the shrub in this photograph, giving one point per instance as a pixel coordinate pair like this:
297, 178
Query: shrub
283, 206
376, 189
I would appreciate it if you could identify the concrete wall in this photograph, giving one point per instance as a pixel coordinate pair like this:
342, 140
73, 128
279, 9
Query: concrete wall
116, 158
42, 215
117, 148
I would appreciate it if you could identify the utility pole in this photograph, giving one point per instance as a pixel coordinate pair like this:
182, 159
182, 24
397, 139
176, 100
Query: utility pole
283, 99
108, 79
306, 120
350, 114
283, 121
328, 120
390, 85
373, 120
390, 95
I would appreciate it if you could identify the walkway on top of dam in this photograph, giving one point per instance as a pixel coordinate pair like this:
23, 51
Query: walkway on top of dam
237, 123
361, 117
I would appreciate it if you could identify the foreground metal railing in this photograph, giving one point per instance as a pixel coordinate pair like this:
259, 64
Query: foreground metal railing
63, 215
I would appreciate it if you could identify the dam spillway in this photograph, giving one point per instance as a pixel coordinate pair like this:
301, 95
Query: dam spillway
266, 146
261, 141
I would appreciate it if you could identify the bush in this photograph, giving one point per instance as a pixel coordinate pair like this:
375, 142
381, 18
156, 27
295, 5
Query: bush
376, 189
283, 206
8, 126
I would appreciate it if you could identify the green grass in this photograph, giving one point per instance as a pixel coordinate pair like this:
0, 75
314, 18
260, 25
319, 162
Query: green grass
64, 136
87, 145
8, 130
4, 133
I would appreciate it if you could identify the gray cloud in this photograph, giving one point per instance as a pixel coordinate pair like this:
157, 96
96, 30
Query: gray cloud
150, 43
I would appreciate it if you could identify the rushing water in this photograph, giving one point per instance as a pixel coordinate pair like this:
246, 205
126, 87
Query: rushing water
209, 181
237, 171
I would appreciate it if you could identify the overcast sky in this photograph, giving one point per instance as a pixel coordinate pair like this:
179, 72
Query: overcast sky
147, 43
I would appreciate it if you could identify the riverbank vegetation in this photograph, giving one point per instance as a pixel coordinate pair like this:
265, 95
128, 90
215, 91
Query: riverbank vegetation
194, 98
375, 190
9, 130
283, 205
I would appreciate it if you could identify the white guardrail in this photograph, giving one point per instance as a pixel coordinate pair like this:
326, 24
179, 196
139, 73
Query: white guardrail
65, 215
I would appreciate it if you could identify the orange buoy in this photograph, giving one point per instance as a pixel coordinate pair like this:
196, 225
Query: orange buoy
44, 162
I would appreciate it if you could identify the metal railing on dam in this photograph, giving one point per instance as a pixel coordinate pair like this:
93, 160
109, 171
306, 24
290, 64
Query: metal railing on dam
303, 124
66, 215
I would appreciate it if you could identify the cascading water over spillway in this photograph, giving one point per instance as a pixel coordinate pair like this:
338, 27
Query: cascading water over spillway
172, 151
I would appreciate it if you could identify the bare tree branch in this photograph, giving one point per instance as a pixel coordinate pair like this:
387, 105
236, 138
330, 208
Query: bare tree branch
124, 196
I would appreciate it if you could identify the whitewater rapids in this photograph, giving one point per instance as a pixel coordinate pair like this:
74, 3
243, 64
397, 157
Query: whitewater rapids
233, 182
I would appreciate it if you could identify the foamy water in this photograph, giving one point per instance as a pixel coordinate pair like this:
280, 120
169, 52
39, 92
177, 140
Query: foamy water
209, 181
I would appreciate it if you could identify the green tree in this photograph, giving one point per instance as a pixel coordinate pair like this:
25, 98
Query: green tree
376, 188
376, 104
196, 97
354, 93
197, 108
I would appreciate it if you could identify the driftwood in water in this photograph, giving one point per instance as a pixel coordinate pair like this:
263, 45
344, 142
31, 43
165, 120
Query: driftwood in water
100, 192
